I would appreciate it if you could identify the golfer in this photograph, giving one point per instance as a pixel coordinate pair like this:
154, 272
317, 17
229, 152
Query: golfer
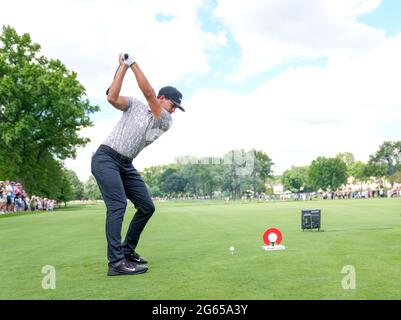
112, 167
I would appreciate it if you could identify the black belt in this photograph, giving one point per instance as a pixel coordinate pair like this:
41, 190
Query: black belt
114, 153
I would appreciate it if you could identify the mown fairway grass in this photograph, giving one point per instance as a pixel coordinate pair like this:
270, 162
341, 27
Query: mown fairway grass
187, 244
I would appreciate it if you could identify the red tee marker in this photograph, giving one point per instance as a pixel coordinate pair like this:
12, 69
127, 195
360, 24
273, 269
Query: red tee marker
272, 236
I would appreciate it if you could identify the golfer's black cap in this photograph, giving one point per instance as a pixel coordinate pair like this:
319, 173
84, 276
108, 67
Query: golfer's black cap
173, 95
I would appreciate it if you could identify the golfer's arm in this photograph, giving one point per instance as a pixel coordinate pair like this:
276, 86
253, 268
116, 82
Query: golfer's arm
114, 97
147, 90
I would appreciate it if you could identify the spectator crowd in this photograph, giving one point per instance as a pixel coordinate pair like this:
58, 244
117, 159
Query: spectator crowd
364, 194
13, 198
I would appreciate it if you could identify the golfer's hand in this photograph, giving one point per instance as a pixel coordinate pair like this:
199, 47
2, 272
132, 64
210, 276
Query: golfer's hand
126, 59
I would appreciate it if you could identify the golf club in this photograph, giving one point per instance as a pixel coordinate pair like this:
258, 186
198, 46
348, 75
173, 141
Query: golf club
118, 68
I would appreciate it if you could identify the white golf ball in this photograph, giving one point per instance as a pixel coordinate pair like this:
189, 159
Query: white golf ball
272, 237
232, 249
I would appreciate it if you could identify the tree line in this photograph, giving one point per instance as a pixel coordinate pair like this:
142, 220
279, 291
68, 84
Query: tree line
239, 173
329, 174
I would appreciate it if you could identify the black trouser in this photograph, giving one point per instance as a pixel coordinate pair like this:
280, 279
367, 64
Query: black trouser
118, 180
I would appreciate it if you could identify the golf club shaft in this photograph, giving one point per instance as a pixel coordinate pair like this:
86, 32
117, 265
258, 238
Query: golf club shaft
125, 57
107, 91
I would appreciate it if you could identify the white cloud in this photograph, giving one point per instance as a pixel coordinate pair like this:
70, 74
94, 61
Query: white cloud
88, 36
301, 114
272, 32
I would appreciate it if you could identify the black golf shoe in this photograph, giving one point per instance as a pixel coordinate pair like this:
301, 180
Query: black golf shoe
125, 267
136, 258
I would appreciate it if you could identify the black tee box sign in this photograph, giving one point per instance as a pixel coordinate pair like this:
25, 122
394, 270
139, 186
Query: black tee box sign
311, 219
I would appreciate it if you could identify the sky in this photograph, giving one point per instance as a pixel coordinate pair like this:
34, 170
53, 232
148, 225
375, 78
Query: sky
295, 79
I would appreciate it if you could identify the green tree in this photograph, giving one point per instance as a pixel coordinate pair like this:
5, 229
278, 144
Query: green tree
42, 110
66, 190
191, 171
50, 179
203, 176
347, 157
77, 185
262, 171
238, 167
395, 178
152, 177
327, 173
359, 171
172, 182
387, 160
155, 191
296, 179
91, 189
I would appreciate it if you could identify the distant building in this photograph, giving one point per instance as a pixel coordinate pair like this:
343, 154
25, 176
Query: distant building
278, 188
